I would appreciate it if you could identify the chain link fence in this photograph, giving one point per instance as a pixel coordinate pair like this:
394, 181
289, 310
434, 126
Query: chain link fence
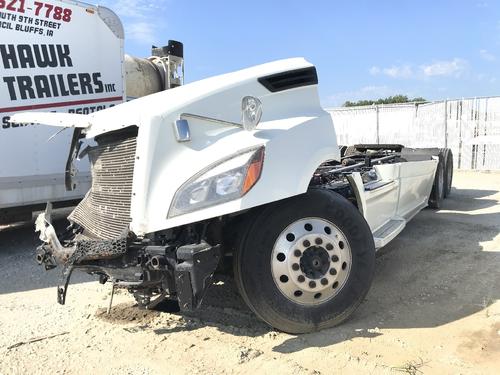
470, 127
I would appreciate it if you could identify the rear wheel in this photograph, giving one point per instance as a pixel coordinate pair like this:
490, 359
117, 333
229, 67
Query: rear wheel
448, 174
306, 263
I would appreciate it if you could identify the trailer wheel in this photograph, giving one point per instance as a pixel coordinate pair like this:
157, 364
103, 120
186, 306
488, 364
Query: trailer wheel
305, 263
448, 175
438, 187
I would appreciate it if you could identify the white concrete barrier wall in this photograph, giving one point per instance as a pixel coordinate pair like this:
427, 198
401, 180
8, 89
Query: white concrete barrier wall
470, 127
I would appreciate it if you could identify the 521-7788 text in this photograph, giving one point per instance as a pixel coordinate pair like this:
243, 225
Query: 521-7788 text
38, 9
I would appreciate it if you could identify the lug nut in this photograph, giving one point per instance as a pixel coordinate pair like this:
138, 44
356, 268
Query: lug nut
333, 271
301, 279
306, 243
335, 258
318, 241
324, 281
312, 284
295, 266
297, 253
329, 246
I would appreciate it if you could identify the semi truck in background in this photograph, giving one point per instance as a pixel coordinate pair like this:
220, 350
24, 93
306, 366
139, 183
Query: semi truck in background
46, 65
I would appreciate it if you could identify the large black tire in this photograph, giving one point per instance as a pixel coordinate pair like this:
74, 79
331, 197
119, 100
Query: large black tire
438, 187
254, 272
448, 172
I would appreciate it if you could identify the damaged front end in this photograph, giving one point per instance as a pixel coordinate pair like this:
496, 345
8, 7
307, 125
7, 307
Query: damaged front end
75, 250
177, 263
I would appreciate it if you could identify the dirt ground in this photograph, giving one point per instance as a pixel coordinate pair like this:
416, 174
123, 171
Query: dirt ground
434, 307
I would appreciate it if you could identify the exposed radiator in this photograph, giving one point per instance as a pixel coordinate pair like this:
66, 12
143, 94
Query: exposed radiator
104, 213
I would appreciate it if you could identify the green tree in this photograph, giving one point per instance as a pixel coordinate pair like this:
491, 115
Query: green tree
388, 100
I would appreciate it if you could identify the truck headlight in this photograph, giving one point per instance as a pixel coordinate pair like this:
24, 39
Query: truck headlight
224, 181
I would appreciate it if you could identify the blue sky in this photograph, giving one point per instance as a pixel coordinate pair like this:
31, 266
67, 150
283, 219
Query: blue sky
362, 49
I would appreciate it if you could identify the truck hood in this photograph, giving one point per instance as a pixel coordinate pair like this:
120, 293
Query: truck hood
165, 103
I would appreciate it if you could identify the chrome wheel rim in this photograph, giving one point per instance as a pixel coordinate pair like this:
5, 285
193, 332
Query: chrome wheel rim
311, 261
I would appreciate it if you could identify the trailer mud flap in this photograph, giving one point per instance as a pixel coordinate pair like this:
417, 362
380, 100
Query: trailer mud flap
194, 273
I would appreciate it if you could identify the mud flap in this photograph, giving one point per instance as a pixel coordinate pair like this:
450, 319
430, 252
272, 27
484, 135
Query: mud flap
194, 273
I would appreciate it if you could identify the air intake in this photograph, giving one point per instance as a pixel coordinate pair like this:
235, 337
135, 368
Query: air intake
290, 79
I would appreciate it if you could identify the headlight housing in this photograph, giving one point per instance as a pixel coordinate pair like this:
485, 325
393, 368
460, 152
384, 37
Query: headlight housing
229, 179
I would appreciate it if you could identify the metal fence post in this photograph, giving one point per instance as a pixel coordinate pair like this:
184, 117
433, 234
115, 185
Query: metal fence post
378, 124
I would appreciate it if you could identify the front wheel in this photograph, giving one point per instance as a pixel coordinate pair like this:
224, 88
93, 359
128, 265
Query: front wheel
305, 263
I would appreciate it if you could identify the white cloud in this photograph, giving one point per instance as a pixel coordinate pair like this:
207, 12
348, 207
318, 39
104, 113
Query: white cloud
135, 8
453, 68
485, 55
140, 31
141, 19
403, 71
395, 71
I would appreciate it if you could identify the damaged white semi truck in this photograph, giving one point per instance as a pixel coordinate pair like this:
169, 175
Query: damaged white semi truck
243, 165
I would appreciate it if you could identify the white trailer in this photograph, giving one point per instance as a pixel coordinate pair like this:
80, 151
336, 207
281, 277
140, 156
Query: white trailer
62, 56
46, 65
243, 165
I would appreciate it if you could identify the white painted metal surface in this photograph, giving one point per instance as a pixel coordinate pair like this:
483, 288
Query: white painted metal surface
404, 190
